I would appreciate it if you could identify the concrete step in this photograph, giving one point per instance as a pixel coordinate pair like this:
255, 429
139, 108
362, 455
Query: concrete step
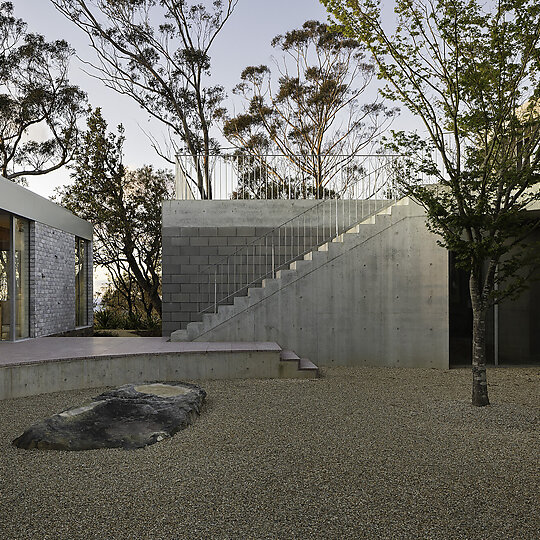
208, 317
316, 256
360, 227
288, 356
179, 335
305, 364
300, 265
385, 211
242, 302
286, 276
256, 293
225, 310
194, 330
292, 366
271, 285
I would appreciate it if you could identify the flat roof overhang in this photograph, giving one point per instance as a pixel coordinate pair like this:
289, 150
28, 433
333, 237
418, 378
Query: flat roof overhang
27, 204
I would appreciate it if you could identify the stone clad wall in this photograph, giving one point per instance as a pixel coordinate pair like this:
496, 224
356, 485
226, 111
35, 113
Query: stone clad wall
52, 281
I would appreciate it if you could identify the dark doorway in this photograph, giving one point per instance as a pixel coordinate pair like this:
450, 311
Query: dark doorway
514, 326
460, 312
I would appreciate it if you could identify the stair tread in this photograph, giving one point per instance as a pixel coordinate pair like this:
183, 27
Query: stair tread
289, 356
306, 363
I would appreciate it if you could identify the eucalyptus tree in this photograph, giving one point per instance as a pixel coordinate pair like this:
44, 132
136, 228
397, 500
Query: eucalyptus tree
125, 208
469, 70
39, 108
158, 53
312, 114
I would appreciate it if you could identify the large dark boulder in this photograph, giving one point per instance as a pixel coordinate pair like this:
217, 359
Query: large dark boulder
131, 416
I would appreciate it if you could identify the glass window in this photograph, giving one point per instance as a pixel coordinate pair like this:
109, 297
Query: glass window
5, 264
22, 278
81, 282
14, 277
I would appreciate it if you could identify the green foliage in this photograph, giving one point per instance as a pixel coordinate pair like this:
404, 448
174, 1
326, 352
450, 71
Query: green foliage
313, 116
106, 319
35, 97
158, 53
470, 71
125, 208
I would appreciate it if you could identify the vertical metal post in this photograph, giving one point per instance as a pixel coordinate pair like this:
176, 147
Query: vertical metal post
304, 250
337, 217
298, 243
317, 218
279, 245
215, 291
273, 260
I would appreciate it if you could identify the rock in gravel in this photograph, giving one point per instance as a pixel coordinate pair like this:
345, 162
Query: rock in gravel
130, 416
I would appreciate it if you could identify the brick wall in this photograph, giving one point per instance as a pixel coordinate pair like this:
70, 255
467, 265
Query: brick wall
190, 274
52, 281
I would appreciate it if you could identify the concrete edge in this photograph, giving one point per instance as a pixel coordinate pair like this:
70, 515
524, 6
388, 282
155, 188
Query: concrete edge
22, 380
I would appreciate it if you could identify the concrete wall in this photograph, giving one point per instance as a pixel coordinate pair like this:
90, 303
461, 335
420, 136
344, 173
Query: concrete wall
74, 374
52, 281
198, 234
382, 301
380, 298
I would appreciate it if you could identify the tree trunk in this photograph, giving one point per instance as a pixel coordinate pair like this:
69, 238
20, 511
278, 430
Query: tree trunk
479, 386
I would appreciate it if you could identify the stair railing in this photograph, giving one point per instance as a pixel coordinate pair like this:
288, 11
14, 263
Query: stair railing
275, 250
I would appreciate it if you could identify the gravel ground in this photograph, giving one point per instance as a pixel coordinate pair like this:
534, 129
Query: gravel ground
359, 453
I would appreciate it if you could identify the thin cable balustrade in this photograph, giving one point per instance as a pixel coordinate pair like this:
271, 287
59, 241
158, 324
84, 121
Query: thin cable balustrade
278, 248
243, 176
346, 190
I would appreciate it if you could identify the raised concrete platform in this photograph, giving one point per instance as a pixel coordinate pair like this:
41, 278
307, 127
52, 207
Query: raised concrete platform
45, 365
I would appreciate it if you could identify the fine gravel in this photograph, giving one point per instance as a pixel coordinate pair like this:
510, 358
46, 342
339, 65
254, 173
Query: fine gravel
359, 453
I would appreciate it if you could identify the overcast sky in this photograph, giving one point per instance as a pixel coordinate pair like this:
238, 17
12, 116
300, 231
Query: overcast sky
244, 41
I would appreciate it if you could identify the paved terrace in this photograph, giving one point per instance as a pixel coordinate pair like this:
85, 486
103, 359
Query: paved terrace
45, 365
67, 348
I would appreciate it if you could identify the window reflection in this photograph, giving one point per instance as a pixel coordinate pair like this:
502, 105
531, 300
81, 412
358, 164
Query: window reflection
22, 277
5, 235
14, 293
81, 282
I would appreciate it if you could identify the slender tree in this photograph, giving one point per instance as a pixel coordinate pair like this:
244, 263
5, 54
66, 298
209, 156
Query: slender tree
124, 207
470, 71
158, 53
312, 115
39, 108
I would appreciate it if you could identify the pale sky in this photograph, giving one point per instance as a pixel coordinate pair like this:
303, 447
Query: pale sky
245, 40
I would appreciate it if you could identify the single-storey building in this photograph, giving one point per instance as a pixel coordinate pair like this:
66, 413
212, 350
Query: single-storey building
45, 267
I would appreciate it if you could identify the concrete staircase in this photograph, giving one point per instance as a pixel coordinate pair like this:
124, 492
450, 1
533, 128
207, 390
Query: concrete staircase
291, 366
351, 238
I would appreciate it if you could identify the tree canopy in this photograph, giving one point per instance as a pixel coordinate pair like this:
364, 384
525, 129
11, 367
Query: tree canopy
125, 208
470, 71
39, 108
158, 53
312, 114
